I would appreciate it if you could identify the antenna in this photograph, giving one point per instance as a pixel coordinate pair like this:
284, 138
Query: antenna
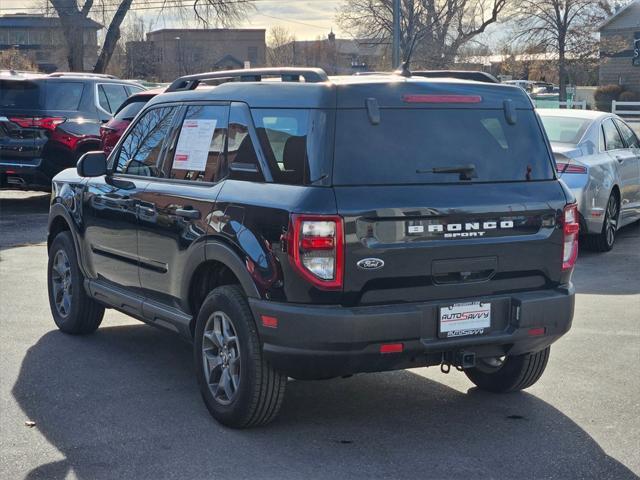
404, 68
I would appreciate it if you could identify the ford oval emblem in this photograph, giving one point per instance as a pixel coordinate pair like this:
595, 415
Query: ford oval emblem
370, 264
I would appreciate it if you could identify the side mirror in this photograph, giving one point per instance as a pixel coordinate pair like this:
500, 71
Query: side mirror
92, 164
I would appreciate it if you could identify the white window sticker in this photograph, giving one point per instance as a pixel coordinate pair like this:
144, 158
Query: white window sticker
193, 145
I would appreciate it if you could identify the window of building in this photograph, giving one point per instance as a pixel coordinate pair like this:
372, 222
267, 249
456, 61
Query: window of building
198, 154
252, 54
140, 150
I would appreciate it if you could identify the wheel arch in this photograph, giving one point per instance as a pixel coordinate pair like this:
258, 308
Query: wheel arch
218, 264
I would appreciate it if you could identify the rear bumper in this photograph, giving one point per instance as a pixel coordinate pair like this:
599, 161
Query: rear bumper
329, 341
23, 175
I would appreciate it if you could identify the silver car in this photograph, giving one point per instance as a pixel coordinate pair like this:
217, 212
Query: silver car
598, 157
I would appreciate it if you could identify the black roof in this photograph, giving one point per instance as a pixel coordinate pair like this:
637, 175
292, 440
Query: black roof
36, 21
319, 91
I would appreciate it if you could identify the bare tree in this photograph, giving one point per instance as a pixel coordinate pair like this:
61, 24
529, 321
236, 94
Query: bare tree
437, 28
564, 28
73, 15
280, 47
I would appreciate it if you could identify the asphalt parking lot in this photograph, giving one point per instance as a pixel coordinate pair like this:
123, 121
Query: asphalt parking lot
123, 403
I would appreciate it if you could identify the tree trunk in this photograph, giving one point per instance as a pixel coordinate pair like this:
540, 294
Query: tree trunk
71, 21
112, 37
562, 79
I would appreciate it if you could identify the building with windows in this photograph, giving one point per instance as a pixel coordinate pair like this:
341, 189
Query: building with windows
170, 53
336, 56
620, 48
41, 39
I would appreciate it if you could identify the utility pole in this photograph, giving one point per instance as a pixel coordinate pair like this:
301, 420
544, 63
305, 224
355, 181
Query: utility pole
395, 55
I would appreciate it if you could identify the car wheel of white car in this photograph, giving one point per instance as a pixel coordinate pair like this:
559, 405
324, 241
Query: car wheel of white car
603, 241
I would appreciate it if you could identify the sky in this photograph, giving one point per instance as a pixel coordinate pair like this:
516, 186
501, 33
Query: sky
307, 19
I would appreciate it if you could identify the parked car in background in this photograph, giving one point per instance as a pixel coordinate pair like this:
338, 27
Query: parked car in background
111, 131
48, 121
598, 157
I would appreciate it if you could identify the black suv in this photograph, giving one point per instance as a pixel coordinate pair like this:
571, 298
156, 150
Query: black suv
314, 227
48, 121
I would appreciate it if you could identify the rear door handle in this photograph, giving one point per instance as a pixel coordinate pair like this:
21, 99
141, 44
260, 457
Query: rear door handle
188, 213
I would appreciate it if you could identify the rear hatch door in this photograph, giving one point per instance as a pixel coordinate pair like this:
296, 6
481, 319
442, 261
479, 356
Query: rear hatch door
415, 232
21, 101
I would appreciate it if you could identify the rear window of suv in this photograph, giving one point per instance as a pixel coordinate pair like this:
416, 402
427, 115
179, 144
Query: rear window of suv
408, 144
42, 95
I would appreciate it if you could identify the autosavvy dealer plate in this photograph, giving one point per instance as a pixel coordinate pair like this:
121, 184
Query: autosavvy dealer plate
462, 319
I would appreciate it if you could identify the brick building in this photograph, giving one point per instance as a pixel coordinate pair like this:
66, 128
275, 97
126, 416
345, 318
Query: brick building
41, 39
619, 36
169, 53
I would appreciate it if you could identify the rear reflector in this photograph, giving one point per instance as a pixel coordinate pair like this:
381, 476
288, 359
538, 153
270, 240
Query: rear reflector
442, 98
536, 332
391, 348
269, 322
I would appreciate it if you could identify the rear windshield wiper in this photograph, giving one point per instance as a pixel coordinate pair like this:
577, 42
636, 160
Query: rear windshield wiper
467, 172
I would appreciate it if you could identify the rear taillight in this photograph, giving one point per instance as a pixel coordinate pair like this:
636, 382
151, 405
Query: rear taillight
316, 249
46, 123
570, 168
570, 229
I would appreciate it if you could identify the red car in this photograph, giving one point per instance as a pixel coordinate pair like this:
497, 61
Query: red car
111, 131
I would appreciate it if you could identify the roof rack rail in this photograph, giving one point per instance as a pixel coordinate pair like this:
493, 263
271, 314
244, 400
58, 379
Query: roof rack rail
81, 74
287, 74
475, 75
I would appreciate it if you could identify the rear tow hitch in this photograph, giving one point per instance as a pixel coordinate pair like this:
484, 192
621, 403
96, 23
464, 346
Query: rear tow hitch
460, 360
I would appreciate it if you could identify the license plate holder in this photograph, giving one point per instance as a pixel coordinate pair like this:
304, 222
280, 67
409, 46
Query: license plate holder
464, 319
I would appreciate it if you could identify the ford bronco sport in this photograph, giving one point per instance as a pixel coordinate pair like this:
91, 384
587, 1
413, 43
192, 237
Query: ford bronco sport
316, 227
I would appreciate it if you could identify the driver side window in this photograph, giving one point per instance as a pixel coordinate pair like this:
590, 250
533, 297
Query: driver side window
140, 150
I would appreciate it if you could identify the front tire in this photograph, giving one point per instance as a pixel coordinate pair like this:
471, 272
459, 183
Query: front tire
603, 241
239, 388
73, 310
511, 374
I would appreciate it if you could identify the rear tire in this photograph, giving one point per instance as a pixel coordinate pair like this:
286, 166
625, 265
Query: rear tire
73, 310
603, 241
513, 374
239, 388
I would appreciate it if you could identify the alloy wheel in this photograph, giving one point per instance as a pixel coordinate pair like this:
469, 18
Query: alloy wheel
611, 220
62, 283
221, 357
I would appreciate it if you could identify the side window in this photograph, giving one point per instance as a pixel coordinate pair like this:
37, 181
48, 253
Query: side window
102, 99
140, 150
283, 136
131, 89
111, 96
242, 160
612, 139
628, 135
198, 154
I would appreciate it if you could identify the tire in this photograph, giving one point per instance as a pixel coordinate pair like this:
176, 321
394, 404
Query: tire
79, 314
250, 393
513, 374
603, 241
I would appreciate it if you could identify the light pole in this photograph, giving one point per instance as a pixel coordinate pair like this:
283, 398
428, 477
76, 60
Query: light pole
178, 56
395, 54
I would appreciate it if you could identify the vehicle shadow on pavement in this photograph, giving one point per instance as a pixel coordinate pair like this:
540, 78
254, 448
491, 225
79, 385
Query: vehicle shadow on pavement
23, 218
123, 403
624, 259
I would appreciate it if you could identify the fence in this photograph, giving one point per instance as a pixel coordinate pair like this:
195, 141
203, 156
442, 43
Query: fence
619, 108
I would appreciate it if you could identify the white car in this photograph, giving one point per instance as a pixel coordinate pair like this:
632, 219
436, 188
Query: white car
598, 157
